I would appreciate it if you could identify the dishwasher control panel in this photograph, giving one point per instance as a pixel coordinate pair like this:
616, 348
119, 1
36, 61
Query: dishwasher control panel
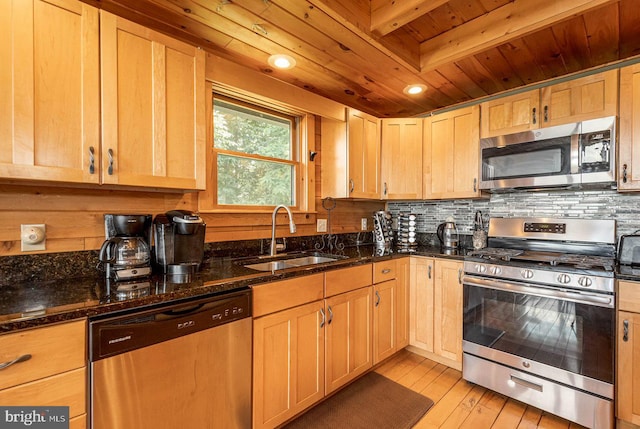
120, 334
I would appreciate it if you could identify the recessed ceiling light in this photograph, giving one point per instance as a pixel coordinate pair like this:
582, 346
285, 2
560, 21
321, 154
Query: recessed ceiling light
415, 89
282, 61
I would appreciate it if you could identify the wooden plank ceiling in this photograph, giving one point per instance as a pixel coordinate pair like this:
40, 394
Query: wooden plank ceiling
363, 53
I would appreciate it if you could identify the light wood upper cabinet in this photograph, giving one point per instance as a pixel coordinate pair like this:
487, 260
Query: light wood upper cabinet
447, 338
510, 114
451, 155
401, 159
629, 135
153, 108
579, 99
628, 356
49, 80
364, 155
351, 156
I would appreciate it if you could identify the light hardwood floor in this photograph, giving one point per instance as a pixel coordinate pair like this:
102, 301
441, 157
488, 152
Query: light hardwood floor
460, 404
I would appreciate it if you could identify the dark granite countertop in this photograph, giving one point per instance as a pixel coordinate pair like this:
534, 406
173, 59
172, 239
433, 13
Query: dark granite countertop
628, 272
34, 303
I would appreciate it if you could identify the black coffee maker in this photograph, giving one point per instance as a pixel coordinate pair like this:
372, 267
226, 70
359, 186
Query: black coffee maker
126, 252
179, 242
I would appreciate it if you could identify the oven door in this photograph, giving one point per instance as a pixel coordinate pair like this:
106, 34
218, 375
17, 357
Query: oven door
565, 336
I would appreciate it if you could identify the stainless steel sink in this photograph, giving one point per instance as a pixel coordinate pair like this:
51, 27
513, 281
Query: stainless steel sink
283, 264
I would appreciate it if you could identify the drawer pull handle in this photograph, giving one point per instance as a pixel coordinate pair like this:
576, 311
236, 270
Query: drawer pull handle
386, 271
330, 315
526, 383
19, 359
429, 272
377, 298
625, 331
323, 317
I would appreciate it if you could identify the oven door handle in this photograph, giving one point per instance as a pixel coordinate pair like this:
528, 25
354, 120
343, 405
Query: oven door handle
505, 285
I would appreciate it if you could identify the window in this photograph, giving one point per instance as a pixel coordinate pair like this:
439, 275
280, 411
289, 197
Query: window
255, 154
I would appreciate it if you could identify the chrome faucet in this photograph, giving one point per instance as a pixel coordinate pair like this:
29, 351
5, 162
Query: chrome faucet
292, 227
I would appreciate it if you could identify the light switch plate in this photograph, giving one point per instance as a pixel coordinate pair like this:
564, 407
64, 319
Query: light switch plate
321, 225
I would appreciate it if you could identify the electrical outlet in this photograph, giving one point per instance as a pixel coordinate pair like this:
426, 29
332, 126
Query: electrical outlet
363, 224
321, 225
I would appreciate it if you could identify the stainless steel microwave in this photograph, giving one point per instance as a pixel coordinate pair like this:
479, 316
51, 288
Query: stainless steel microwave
569, 156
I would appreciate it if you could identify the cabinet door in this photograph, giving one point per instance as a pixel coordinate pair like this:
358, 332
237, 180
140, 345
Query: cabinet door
402, 302
364, 155
452, 155
589, 97
153, 108
421, 301
510, 114
628, 377
288, 363
348, 337
49, 80
447, 334
401, 159
629, 141
384, 316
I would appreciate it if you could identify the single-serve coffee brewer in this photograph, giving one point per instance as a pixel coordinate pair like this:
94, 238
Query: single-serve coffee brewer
126, 252
179, 241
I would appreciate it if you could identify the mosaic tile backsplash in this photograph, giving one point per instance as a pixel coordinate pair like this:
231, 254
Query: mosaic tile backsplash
588, 204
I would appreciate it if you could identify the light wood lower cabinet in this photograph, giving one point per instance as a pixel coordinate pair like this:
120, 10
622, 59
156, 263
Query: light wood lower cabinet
56, 373
436, 309
348, 337
403, 278
421, 303
628, 356
447, 299
288, 363
384, 315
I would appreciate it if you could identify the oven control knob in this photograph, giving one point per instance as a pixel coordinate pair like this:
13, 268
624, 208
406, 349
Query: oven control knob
585, 281
495, 270
480, 268
564, 278
526, 274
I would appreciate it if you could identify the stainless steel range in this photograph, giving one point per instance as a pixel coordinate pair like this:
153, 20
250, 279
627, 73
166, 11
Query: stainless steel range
539, 316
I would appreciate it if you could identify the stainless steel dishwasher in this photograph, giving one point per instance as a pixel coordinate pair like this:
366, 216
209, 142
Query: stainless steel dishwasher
184, 365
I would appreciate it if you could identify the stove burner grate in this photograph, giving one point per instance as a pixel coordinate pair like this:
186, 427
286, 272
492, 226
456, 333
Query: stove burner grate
496, 253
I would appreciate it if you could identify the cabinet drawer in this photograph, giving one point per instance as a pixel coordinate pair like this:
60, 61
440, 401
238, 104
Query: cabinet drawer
67, 389
276, 296
383, 271
53, 349
629, 296
347, 279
